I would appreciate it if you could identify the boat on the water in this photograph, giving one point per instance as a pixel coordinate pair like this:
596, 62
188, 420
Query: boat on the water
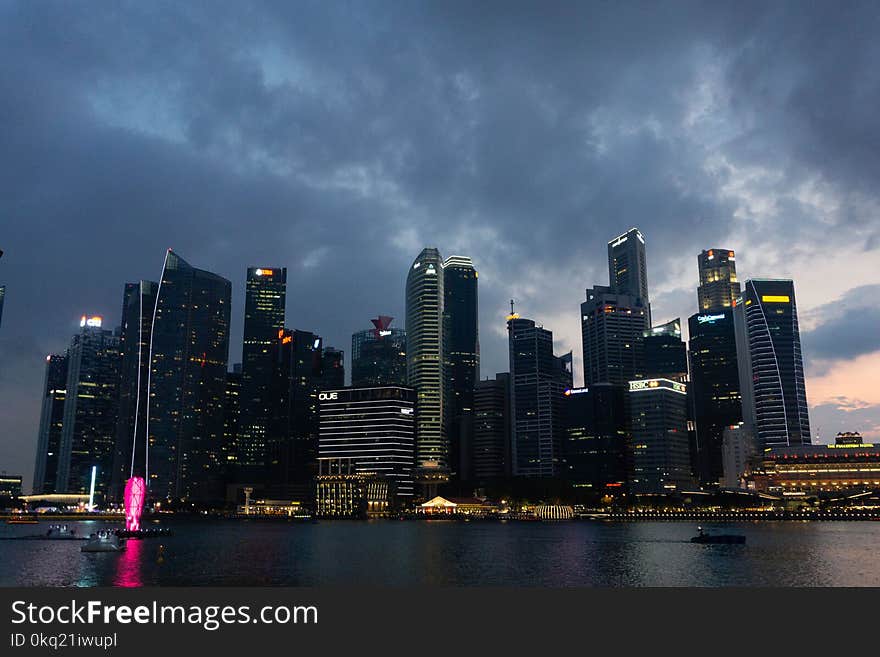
61, 532
723, 539
104, 541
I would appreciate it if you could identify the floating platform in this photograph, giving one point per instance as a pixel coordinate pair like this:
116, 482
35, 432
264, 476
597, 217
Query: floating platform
149, 532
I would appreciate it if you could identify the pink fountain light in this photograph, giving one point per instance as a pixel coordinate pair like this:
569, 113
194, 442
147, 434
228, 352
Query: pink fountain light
135, 488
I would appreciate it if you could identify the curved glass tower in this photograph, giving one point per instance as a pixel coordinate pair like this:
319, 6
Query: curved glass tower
771, 368
189, 349
424, 360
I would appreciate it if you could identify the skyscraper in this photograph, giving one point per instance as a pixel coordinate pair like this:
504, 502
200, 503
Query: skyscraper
292, 448
660, 448
628, 267
372, 430
51, 423
538, 381
231, 423
378, 355
425, 362
665, 352
2, 297
189, 351
88, 431
332, 368
615, 317
612, 329
718, 287
461, 352
771, 368
264, 307
714, 386
594, 444
490, 443
138, 302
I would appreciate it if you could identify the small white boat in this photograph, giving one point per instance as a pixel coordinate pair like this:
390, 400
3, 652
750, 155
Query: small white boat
61, 532
104, 541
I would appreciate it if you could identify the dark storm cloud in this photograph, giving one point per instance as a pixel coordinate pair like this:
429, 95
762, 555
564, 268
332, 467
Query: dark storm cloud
339, 138
850, 326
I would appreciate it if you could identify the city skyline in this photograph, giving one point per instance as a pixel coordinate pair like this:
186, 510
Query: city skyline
134, 180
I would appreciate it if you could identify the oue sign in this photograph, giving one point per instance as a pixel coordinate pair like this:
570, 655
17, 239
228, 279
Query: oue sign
328, 396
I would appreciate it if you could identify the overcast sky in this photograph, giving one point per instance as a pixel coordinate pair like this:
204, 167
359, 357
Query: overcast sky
338, 139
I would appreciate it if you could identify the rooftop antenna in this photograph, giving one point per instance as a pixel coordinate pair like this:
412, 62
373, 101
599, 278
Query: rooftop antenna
513, 314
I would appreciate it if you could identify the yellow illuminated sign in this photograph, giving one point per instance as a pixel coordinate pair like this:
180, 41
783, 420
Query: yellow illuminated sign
776, 298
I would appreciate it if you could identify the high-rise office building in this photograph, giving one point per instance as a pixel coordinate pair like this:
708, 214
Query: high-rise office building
615, 317
138, 302
378, 355
612, 329
2, 298
264, 306
373, 430
538, 380
490, 433
771, 368
462, 355
665, 353
719, 287
189, 351
628, 267
425, 362
332, 368
229, 452
51, 423
88, 429
714, 387
661, 461
292, 448
595, 441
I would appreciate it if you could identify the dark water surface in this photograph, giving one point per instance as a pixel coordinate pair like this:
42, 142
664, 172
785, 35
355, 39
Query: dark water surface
443, 553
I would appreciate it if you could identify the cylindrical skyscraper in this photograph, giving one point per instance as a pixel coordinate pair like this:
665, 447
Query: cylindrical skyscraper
424, 361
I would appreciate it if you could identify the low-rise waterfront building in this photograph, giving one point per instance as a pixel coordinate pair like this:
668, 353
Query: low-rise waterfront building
817, 470
343, 491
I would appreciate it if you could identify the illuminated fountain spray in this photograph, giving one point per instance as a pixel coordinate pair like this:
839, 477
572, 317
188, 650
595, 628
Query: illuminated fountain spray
135, 491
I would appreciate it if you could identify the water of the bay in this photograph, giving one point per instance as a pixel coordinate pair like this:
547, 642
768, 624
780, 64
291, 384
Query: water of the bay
445, 553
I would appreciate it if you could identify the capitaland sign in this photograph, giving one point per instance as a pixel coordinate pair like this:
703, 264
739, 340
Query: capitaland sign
709, 319
328, 396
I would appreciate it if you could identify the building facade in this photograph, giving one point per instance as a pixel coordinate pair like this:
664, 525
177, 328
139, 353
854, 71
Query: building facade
719, 287
51, 423
771, 368
595, 443
665, 352
659, 437
372, 430
292, 447
88, 427
612, 330
425, 363
490, 434
538, 380
714, 387
378, 355
138, 302
628, 267
264, 310
462, 355
189, 351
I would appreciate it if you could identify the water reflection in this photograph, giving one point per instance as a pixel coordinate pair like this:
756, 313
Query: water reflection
128, 565
394, 553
